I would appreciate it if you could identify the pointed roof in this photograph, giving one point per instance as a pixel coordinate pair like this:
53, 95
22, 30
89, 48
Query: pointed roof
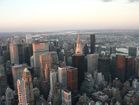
26, 70
78, 50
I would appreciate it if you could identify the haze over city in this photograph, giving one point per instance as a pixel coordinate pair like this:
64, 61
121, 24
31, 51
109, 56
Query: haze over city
50, 15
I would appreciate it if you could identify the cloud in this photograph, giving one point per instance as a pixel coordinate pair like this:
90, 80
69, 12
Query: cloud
106, 0
133, 0
127, 0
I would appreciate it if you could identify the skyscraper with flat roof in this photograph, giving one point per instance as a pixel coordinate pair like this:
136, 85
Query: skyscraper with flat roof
62, 77
39, 47
3, 81
92, 43
14, 57
17, 71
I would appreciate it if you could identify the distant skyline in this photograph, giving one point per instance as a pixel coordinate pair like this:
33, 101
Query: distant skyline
52, 15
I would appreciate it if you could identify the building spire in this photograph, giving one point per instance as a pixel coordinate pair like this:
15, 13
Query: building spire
78, 49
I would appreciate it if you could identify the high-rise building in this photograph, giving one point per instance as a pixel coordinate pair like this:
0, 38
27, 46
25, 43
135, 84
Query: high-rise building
9, 94
14, 57
17, 71
130, 67
44, 62
28, 39
132, 51
66, 97
26, 76
72, 78
137, 66
21, 52
21, 89
38, 49
104, 66
120, 67
92, 43
46, 73
32, 61
62, 77
48, 61
3, 81
78, 61
53, 81
28, 52
92, 63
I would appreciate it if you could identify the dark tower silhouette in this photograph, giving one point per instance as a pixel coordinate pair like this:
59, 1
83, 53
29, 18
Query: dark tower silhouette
92, 43
78, 62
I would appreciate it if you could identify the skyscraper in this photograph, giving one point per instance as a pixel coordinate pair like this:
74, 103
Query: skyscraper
9, 94
14, 57
53, 81
3, 81
104, 66
66, 97
26, 76
130, 67
92, 43
120, 67
78, 62
48, 61
38, 48
92, 63
21, 89
72, 78
132, 51
137, 66
17, 71
62, 77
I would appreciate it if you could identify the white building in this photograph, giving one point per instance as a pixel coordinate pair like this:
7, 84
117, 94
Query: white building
66, 97
62, 77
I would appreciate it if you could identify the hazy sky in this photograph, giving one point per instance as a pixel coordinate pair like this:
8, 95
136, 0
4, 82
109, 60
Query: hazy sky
48, 15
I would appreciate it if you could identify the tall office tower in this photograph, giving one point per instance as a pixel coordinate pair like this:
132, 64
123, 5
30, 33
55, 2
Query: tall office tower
130, 67
28, 53
113, 66
104, 66
28, 39
66, 97
137, 66
72, 78
78, 62
9, 94
49, 58
21, 89
45, 65
17, 71
53, 81
46, 73
21, 52
120, 67
14, 57
26, 76
55, 60
3, 82
132, 51
86, 49
92, 63
32, 61
92, 43
62, 77
38, 48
